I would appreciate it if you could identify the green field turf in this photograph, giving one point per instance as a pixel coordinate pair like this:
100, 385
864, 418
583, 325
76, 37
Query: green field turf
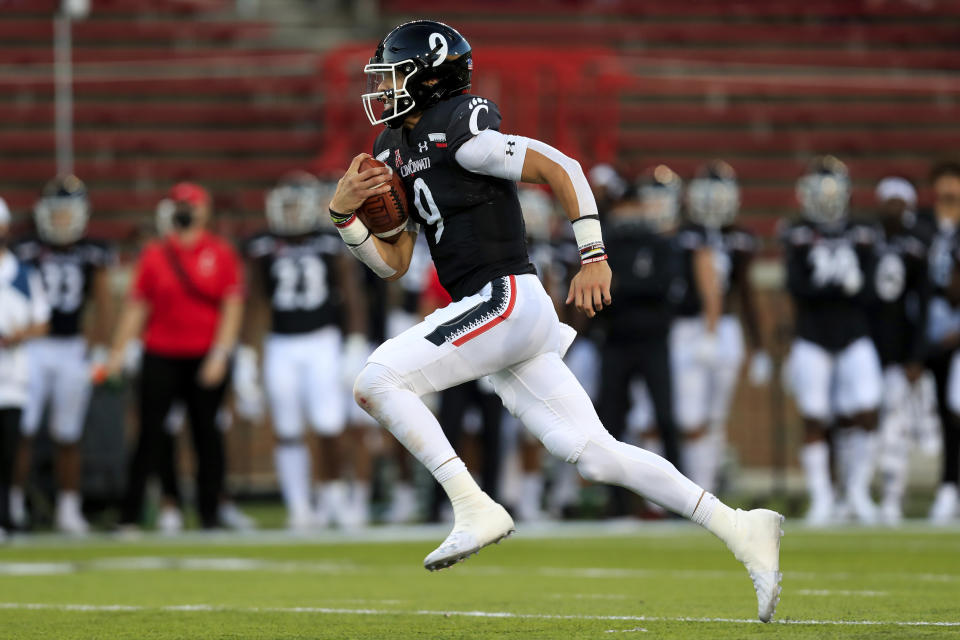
595, 581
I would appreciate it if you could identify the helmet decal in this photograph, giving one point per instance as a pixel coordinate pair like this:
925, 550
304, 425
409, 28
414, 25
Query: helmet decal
438, 43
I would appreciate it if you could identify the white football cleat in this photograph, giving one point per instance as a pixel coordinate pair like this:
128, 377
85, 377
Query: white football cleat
474, 528
403, 506
891, 514
944, 507
232, 518
863, 508
756, 543
170, 521
821, 513
69, 519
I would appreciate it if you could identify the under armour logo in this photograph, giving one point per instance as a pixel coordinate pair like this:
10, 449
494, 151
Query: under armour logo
423, 146
510, 145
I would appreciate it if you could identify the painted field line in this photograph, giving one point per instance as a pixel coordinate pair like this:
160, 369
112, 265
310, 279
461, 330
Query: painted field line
840, 592
233, 564
209, 608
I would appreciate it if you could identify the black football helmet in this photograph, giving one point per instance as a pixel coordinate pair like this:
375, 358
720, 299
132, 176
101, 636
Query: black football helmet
63, 210
421, 63
297, 204
713, 196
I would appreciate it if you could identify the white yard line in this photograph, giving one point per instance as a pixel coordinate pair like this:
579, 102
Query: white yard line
233, 564
436, 532
840, 592
35, 606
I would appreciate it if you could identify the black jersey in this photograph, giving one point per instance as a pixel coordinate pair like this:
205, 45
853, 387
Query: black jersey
473, 222
827, 275
898, 306
67, 272
647, 282
732, 248
300, 277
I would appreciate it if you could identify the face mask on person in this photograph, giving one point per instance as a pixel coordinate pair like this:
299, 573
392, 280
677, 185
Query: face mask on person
183, 218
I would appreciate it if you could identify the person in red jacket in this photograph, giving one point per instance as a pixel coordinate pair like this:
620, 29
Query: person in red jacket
186, 298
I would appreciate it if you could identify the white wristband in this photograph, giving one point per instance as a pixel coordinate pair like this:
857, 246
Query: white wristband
589, 239
359, 241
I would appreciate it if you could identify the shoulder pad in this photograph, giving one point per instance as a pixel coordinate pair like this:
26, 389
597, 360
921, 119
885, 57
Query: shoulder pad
798, 233
260, 245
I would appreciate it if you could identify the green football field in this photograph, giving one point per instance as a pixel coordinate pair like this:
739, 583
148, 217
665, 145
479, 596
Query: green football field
577, 581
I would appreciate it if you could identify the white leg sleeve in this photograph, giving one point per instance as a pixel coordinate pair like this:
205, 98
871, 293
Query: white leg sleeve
546, 397
384, 395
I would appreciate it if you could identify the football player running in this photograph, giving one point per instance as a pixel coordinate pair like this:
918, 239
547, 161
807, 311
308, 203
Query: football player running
707, 343
74, 269
307, 277
834, 369
460, 173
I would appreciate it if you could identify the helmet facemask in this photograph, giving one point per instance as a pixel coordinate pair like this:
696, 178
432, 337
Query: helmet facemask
712, 202
397, 100
293, 210
659, 207
824, 197
62, 219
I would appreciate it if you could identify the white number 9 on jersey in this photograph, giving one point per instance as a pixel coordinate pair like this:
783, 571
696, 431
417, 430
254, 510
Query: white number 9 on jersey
430, 213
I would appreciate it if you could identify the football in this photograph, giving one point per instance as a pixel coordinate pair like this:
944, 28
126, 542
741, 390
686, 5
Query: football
385, 214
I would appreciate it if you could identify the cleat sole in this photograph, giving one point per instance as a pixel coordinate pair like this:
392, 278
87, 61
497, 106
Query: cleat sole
446, 563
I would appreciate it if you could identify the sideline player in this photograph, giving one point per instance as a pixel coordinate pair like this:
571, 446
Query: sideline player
306, 276
73, 268
460, 175
898, 317
834, 369
707, 363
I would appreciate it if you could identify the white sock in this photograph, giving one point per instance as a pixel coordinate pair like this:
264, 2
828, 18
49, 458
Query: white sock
463, 492
716, 517
332, 498
699, 458
68, 502
815, 459
293, 470
360, 497
18, 506
531, 492
862, 448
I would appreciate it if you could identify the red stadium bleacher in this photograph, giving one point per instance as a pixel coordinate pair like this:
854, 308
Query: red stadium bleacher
765, 85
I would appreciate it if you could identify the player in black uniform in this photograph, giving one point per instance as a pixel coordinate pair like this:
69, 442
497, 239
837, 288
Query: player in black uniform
309, 280
834, 368
459, 173
648, 271
74, 269
943, 329
707, 364
898, 314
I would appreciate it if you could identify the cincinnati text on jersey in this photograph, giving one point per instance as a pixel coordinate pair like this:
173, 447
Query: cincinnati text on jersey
413, 166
